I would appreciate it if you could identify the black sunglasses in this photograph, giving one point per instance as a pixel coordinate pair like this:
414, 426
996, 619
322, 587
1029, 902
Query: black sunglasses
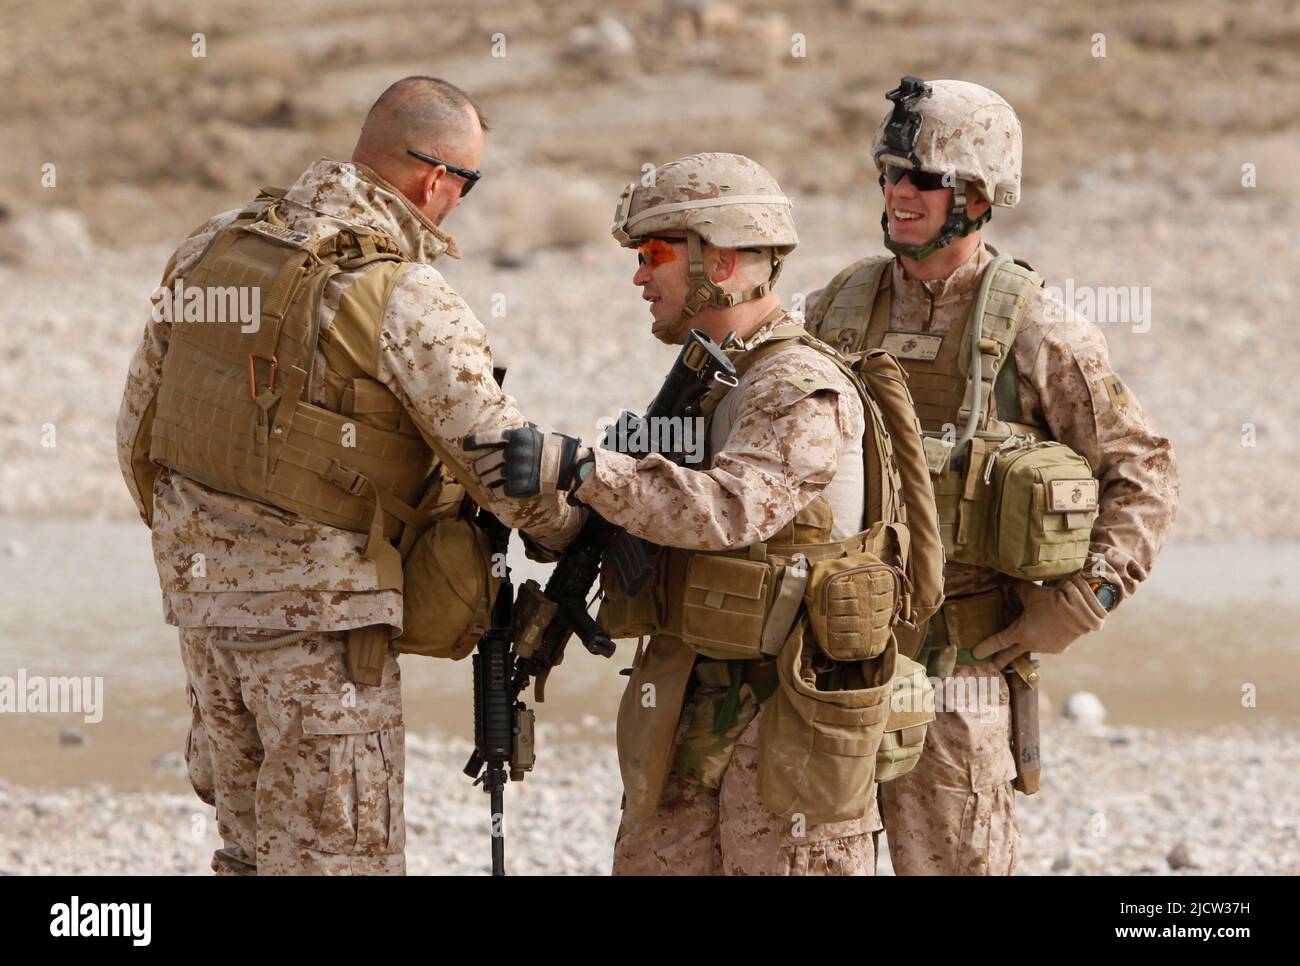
471, 177
921, 180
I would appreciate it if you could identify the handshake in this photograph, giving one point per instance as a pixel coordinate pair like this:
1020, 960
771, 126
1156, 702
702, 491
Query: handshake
526, 462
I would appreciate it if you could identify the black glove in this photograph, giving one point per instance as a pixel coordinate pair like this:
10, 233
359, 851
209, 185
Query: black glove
525, 462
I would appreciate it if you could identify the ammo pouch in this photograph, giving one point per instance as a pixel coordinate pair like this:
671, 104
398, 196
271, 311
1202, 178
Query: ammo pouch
817, 749
623, 616
1025, 509
449, 590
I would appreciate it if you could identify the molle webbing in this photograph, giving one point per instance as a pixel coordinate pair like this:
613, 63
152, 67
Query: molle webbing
853, 314
232, 411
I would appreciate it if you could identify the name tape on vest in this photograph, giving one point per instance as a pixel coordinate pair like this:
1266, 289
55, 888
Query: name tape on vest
912, 345
276, 233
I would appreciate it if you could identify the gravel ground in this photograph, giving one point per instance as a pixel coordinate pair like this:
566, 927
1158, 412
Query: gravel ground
1115, 801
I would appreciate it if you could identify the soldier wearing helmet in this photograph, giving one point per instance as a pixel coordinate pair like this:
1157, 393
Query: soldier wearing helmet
1004, 376
711, 753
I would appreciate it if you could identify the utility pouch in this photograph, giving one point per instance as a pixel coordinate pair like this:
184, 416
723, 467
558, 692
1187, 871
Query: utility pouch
623, 616
817, 748
365, 653
911, 709
1043, 503
853, 602
449, 589
725, 605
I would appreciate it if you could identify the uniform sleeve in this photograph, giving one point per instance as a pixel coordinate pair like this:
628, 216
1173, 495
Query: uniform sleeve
796, 418
1090, 408
135, 415
434, 356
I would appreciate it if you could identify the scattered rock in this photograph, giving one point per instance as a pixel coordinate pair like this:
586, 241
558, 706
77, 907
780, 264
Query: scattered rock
1063, 861
1085, 708
71, 736
1181, 856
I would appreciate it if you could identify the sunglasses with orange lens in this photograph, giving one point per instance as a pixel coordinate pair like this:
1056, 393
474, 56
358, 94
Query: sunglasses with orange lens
654, 252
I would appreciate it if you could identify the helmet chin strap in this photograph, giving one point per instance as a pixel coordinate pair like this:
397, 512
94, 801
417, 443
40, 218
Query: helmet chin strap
957, 225
704, 292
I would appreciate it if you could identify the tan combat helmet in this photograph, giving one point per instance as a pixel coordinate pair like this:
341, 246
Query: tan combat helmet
726, 200
956, 129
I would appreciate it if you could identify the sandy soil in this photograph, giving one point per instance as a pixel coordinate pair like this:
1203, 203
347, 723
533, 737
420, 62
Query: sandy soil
1168, 164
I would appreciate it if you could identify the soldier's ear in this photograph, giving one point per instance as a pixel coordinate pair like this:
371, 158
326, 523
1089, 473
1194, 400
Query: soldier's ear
976, 206
429, 182
725, 265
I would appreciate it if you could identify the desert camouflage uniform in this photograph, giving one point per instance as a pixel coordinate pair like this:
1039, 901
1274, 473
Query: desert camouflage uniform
955, 812
781, 453
306, 768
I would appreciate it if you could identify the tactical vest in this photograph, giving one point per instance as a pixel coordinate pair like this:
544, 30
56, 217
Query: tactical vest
828, 610
739, 604
233, 412
853, 314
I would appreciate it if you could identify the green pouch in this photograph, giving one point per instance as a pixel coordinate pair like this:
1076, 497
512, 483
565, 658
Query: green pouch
1043, 503
911, 709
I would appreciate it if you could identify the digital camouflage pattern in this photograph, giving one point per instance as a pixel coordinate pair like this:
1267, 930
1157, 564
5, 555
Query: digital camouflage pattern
728, 831
967, 130
955, 812
304, 767
782, 452
759, 224
230, 563
1066, 384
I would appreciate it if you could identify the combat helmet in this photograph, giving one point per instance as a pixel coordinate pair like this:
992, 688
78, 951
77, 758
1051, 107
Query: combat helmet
954, 128
725, 200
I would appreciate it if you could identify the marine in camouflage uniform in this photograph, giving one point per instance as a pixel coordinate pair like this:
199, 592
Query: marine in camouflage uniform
690, 758
955, 813
304, 766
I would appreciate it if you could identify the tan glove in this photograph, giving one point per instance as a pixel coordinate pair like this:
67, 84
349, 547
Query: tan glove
1054, 618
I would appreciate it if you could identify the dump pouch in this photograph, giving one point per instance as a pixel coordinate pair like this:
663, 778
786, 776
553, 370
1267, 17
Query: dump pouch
817, 749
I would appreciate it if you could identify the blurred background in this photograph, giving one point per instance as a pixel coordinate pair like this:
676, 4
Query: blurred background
1161, 151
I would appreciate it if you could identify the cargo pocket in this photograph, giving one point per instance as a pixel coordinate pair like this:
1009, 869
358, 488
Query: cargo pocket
988, 840
198, 755
817, 749
724, 606
852, 604
358, 807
